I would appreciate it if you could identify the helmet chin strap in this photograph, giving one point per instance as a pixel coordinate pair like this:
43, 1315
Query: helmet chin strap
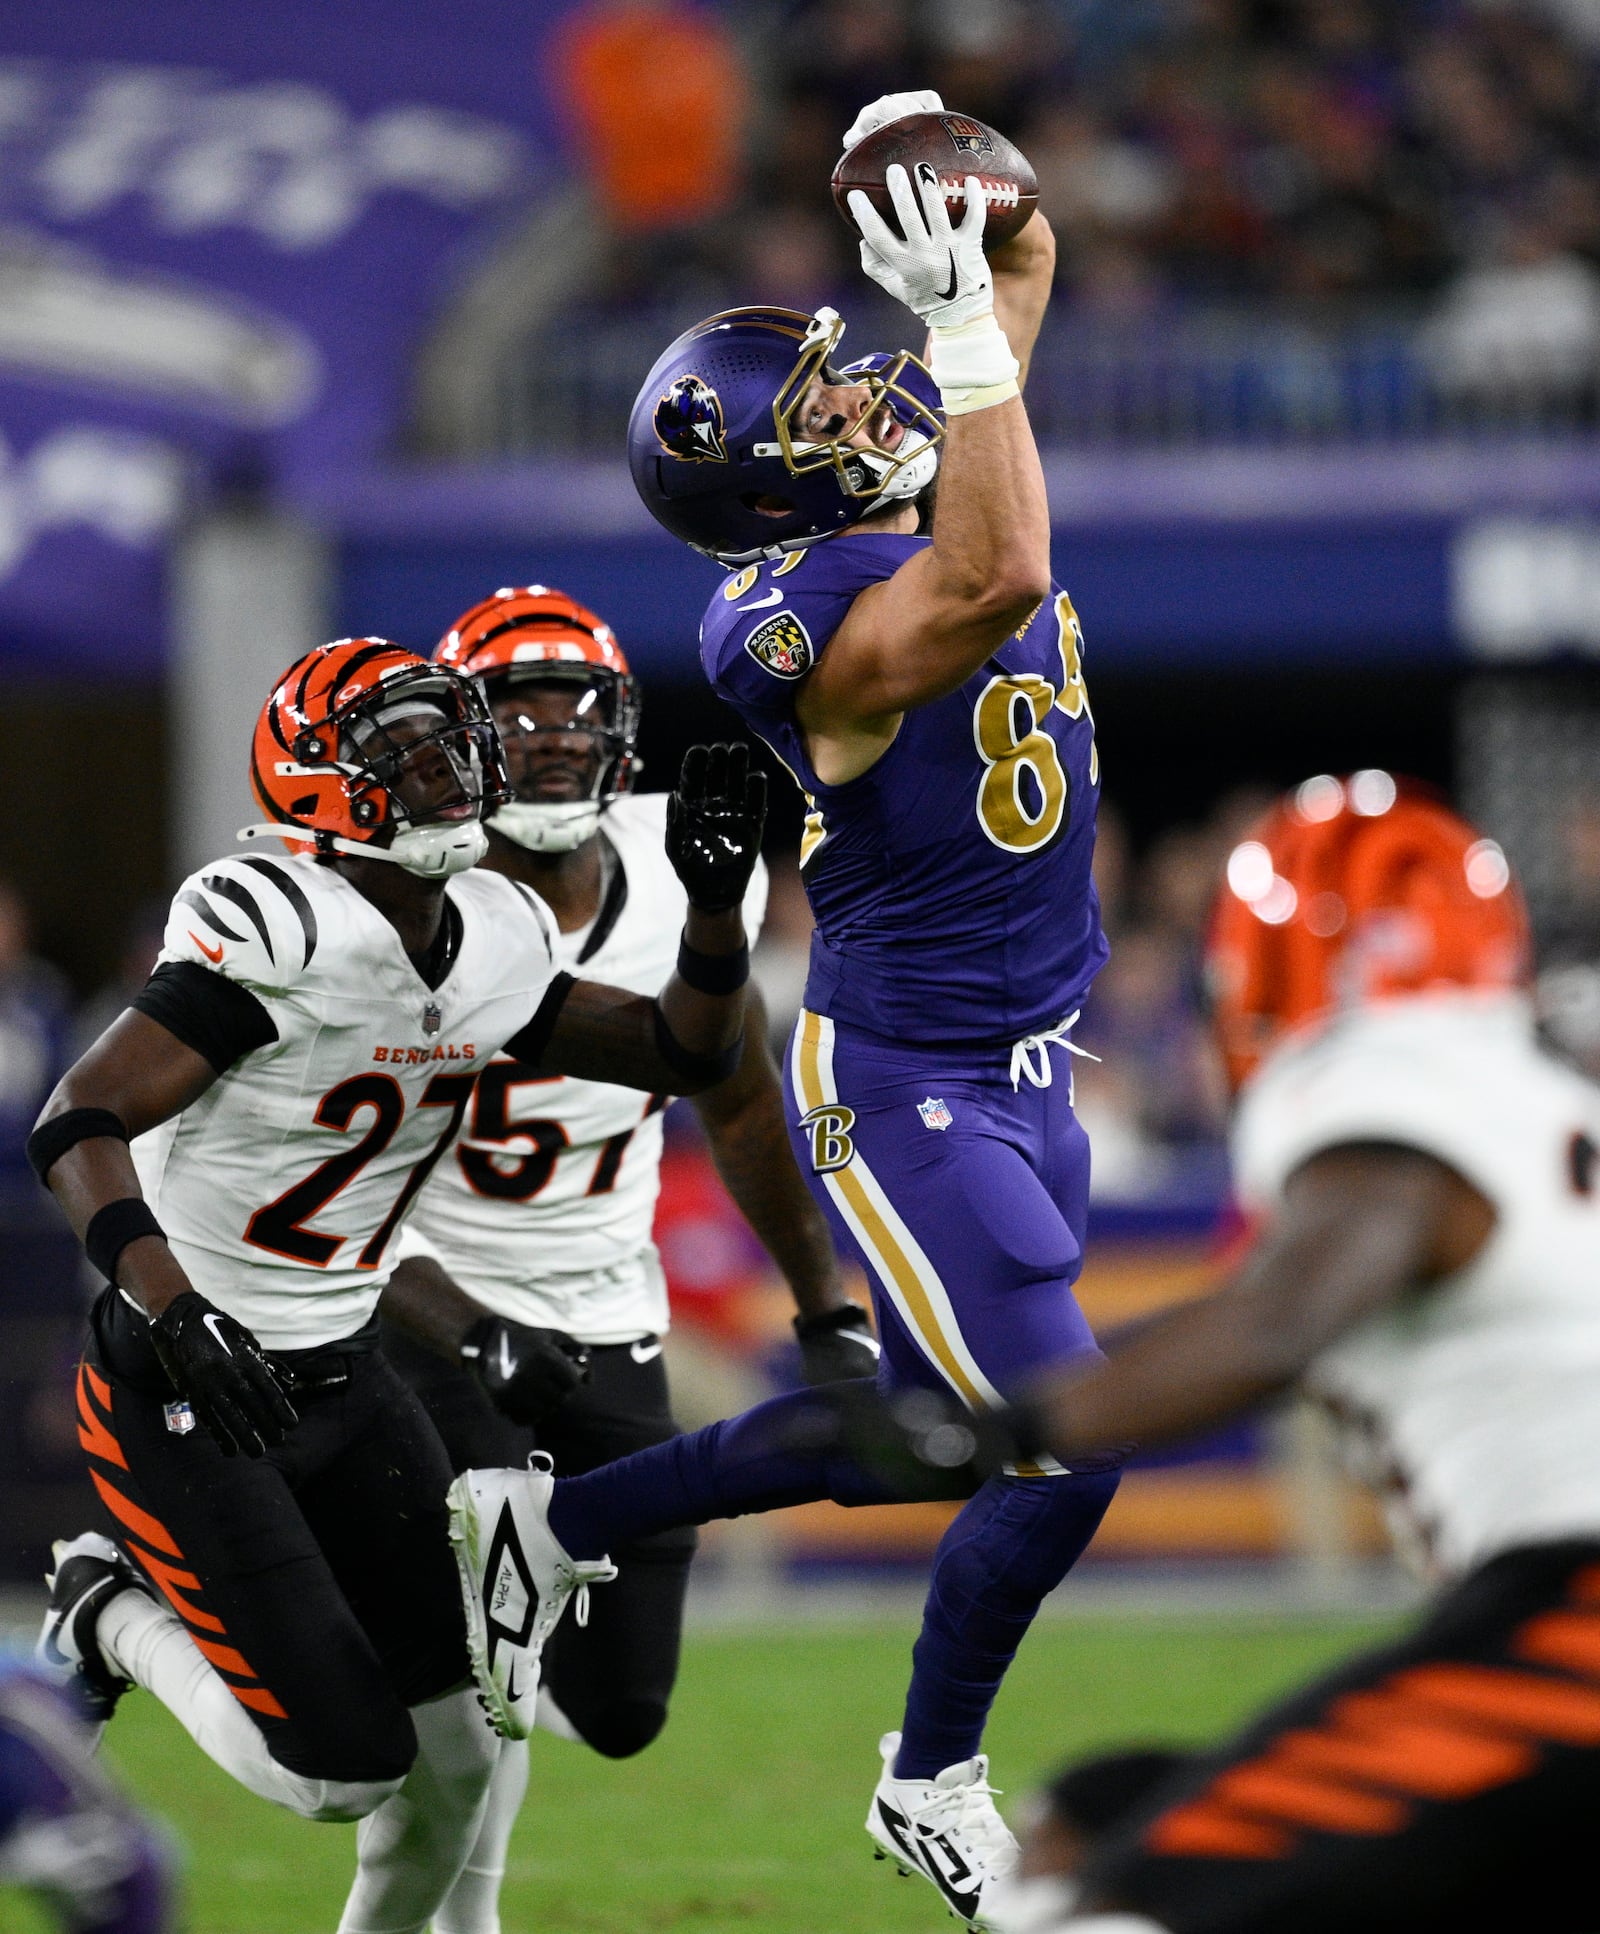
429, 852
556, 828
915, 473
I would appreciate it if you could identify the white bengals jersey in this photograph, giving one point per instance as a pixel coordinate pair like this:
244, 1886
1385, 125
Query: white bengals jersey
543, 1212
282, 1188
1473, 1405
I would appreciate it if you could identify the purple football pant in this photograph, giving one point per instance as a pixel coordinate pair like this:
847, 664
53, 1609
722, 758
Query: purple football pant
964, 1199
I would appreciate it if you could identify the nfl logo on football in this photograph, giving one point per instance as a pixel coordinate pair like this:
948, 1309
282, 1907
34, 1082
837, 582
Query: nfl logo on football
934, 1113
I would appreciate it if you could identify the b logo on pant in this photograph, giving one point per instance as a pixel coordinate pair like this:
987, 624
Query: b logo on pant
829, 1128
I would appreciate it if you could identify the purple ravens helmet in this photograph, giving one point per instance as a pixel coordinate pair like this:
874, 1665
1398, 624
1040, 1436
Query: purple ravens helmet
715, 453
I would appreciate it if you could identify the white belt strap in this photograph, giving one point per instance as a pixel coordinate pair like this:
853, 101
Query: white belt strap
1038, 1070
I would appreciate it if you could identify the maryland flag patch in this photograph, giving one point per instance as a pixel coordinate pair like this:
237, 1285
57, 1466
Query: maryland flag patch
783, 645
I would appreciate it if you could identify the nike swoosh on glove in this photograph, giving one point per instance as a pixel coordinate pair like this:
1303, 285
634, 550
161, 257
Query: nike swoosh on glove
837, 1345
891, 107
218, 1366
940, 273
527, 1372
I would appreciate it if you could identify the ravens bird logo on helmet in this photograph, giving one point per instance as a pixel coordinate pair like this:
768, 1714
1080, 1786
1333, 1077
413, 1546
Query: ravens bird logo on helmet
688, 421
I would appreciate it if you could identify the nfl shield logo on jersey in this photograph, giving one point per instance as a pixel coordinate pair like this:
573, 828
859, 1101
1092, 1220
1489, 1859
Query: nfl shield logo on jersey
180, 1418
934, 1113
782, 644
432, 1017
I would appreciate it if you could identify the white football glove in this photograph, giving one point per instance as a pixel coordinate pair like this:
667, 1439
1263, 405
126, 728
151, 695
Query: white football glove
940, 273
889, 107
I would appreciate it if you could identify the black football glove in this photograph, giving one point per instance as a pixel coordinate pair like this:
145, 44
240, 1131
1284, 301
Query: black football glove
217, 1366
714, 823
837, 1345
528, 1373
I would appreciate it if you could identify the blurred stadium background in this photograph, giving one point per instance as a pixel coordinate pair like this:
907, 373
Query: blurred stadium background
326, 317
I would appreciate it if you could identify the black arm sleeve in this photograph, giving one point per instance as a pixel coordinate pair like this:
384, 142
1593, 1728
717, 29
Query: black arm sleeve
207, 1012
529, 1043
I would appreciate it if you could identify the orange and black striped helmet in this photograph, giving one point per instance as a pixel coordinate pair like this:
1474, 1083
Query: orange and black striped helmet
534, 634
1355, 890
331, 764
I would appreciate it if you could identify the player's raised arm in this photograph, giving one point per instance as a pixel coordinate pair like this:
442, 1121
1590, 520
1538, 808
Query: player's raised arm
136, 1076
688, 1038
924, 631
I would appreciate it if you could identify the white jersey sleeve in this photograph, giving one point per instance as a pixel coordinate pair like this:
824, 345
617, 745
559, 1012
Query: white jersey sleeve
249, 919
1470, 1403
543, 1212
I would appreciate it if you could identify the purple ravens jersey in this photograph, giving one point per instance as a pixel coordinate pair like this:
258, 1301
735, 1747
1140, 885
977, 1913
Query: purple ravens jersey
951, 881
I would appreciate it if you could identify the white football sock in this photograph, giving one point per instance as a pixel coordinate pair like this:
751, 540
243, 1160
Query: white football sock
412, 1849
473, 1906
148, 1643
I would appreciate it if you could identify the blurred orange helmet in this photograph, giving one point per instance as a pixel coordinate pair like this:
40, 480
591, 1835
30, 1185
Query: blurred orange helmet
538, 635
328, 768
1350, 891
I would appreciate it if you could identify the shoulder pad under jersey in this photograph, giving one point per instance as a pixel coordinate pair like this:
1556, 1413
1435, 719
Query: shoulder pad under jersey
499, 898
768, 624
247, 917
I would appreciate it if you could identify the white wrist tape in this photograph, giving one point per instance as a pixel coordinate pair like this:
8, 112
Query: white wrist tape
973, 366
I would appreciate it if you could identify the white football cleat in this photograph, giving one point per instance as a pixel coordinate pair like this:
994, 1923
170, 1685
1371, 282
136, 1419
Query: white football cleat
89, 1572
516, 1580
945, 1829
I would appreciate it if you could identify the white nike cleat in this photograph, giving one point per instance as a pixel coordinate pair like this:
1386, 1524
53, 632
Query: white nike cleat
89, 1572
516, 1580
945, 1829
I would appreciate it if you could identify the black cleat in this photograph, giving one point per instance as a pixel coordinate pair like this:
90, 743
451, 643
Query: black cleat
89, 1572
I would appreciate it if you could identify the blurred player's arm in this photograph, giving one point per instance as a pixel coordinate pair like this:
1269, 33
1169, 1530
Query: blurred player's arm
749, 1142
1358, 1227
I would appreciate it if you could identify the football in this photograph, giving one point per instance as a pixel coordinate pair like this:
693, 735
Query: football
955, 146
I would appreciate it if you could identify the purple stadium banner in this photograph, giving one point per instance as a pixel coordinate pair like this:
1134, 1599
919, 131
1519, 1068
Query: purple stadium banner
222, 230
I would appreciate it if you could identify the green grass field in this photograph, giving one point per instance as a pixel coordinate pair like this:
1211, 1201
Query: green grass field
745, 1818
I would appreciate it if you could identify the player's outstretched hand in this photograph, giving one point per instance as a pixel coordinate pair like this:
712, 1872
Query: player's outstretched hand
714, 823
528, 1373
891, 107
837, 1345
940, 273
218, 1367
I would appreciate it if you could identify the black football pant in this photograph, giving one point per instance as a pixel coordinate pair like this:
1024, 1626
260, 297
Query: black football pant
613, 1677
317, 1579
1449, 1781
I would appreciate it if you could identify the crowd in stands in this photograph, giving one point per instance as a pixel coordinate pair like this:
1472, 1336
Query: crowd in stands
1326, 162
